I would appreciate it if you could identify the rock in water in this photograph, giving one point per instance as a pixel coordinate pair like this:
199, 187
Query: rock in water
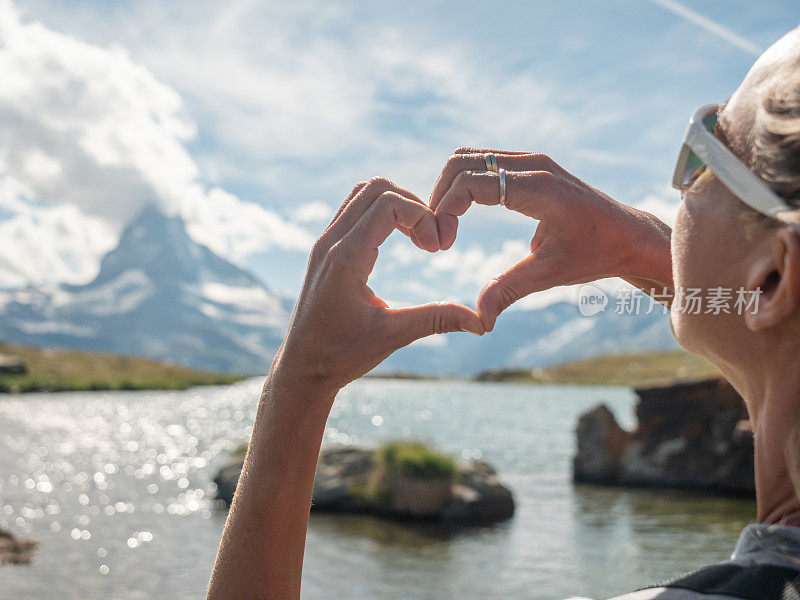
14, 550
692, 436
227, 478
344, 482
601, 442
479, 497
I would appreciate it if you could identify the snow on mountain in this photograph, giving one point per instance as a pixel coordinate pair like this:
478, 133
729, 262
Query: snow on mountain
157, 294
541, 337
162, 295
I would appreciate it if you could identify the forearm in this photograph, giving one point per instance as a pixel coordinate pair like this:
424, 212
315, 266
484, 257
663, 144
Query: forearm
261, 553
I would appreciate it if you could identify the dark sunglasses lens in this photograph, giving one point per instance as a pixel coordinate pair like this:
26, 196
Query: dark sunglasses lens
693, 169
710, 122
694, 165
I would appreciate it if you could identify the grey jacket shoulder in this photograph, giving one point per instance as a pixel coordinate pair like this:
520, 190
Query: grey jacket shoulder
661, 593
758, 544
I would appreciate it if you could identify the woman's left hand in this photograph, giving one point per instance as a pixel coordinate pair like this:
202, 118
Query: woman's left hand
582, 234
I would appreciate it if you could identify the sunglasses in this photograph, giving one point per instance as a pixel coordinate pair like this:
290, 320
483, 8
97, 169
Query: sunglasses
702, 150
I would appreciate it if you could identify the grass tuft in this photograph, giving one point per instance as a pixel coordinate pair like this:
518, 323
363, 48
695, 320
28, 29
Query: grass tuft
416, 460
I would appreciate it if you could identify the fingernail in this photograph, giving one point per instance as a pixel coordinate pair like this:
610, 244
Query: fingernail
471, 328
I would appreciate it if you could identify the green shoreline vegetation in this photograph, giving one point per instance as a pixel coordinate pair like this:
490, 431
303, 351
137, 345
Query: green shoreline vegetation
52, 370
631, 369
635, 370
56, 370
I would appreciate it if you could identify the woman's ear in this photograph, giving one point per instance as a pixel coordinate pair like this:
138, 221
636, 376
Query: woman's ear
777, 276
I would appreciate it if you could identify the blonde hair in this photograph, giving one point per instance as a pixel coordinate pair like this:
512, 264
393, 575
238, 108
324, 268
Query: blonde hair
776, 145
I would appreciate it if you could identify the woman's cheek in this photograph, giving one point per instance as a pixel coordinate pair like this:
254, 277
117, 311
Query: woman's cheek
678, 242
687, 271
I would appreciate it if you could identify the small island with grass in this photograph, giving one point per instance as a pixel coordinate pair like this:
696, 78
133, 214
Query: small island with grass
28, 369
401, 480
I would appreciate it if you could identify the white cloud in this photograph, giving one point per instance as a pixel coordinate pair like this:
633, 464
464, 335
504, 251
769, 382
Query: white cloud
89, 128
47, 244
236, 229
314, 212
295, 102
327, 93
309, 98
113, 135
474, 265
402, 253
664, 206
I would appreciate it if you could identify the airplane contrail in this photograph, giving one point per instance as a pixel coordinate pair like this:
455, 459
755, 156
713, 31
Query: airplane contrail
710, 25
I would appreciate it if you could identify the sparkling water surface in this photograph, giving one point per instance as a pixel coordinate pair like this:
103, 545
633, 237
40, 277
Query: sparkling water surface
116, 487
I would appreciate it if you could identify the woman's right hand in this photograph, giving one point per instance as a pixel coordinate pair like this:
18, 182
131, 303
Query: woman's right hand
583, 234
340, 329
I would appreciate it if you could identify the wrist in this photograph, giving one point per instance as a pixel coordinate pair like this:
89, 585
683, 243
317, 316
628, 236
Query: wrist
646, 251
291, 378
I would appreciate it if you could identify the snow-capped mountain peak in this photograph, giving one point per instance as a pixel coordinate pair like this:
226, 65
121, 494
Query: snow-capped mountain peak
159, 294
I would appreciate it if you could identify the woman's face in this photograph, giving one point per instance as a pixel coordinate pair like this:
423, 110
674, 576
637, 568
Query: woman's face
716, 238
709, 251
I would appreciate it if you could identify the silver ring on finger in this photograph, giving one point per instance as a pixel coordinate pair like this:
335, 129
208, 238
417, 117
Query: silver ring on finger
491, 162
501, 175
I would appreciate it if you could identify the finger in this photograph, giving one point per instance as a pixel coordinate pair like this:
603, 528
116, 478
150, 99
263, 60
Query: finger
413, 323
358, 187
474, 159
359, 203
532, 193
532, 274
359, 247
405, 230
474, 150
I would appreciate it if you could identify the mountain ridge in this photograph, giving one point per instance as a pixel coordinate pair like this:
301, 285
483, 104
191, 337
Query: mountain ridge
157, 294
161, 295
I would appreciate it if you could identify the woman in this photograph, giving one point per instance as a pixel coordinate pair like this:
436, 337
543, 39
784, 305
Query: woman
739, 172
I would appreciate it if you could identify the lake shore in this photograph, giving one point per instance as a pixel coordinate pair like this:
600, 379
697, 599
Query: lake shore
57, 370
625, 370
630, 370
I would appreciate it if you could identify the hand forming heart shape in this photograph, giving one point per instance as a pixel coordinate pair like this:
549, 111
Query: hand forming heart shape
583, 234
340, 329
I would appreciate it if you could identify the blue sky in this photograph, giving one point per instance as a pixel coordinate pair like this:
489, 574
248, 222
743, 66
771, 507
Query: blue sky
263, 115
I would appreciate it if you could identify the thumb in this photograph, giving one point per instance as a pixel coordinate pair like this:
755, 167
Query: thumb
526, 277
417, 322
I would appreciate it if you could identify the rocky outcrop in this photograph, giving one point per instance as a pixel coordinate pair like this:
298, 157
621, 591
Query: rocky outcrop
601, 443
351, 480
12, 365
14, 550
689, 436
